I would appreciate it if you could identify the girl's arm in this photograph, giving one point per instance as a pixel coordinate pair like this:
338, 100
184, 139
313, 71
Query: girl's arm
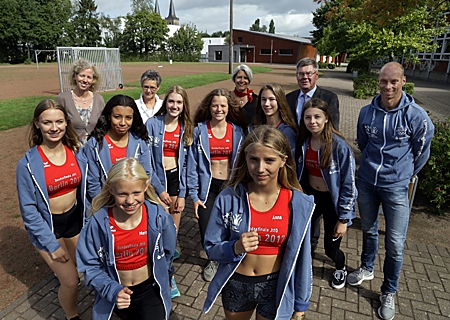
303, 278
347, 192
93, 259
32, 218
192, 165
94, 175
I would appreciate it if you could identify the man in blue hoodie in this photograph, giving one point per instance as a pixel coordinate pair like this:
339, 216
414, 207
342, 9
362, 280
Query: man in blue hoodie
394, 135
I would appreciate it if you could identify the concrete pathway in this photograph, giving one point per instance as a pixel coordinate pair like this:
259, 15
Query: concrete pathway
424, 283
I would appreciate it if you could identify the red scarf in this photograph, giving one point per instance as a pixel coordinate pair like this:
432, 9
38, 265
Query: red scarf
243, 94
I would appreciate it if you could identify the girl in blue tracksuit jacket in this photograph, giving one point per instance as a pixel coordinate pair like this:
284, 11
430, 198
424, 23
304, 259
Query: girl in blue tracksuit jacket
326, 170
51, 185
274, 110
126, 249
260, 224
217, 137
119, 133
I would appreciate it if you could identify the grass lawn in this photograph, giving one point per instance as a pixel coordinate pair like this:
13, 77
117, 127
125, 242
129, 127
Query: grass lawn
18, 112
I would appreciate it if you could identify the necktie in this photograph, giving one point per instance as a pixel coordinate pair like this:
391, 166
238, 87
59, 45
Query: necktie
301, 103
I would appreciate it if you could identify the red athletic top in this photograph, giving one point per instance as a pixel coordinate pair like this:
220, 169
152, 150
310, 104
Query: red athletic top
130, 246
220, 149
116, 153
172, 142
61, 180
312, 162
272, 226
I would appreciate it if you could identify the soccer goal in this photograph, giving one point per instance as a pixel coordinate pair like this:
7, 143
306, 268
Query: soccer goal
106, 60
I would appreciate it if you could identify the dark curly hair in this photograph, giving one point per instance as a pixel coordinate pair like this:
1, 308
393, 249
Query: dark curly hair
104, 122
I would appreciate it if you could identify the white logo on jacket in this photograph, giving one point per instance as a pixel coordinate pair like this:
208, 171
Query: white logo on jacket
232, 221
371, 131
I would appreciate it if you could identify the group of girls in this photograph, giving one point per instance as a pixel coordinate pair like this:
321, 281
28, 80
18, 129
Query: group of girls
255, 232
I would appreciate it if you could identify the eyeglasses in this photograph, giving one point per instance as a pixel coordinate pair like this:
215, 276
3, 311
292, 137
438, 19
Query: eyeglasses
153, 89
307, 74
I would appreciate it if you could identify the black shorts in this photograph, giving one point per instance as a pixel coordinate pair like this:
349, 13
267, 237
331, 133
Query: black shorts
67, 224
173, 180
245, 293
146, 302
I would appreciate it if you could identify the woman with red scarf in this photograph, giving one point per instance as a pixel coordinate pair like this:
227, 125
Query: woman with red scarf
247, 99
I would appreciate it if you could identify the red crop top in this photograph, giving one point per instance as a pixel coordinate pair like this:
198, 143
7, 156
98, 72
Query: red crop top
172, 142
130, 246
115, 153
312, 162
220, 149
63, 179
272, 226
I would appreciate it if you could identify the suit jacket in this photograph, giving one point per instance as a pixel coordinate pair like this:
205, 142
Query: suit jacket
329, 97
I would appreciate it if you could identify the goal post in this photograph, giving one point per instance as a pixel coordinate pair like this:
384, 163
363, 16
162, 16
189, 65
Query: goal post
106, 60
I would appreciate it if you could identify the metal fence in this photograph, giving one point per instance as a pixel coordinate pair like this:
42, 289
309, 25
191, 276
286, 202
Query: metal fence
106, 60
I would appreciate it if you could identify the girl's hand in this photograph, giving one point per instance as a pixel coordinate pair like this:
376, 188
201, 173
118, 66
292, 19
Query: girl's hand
60, 255
124, 298
195, 205
247, 243
339, 229
179, 205
298, 316
165, 198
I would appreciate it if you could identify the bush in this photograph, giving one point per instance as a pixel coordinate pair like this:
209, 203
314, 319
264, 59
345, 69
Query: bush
360, 65
331, 66
365, 85
409, 88
322, 65
27, 61
435, 176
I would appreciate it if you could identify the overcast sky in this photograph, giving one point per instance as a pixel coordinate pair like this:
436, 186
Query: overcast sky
291, 17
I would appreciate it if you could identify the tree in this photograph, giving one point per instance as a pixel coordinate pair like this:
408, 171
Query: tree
112, 31
256, 26
144, 33
86, 24
146, 5
186, 44
271, 26
381, 28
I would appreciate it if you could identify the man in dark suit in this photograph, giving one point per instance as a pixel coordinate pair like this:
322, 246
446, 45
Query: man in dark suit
307, 75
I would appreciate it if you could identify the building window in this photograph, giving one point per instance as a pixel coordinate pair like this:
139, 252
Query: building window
218, 55
286, 52
265, 52
239, 39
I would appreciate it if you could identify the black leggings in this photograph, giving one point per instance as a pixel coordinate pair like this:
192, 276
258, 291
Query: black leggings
146, 303
67, 224
325, 207
204, 214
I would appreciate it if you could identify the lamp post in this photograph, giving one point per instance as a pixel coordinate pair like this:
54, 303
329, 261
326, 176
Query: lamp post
230, 60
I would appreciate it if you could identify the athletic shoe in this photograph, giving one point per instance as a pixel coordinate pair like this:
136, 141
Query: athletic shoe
387, 309
210, 270
176, 255
339, 277
358, 276
174, 292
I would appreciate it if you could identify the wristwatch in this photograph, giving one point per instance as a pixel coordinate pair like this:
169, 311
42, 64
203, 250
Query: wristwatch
344, 221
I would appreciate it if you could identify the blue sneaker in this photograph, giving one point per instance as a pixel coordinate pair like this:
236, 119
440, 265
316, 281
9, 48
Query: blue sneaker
176, 255
174, 292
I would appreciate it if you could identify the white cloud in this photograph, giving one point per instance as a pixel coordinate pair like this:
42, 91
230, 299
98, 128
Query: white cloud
291, 17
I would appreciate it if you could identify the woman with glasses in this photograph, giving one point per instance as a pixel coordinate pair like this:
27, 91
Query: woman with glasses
82, 104
149, 103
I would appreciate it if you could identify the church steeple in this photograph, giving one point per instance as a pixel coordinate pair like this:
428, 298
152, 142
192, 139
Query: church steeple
157, 8
172, 18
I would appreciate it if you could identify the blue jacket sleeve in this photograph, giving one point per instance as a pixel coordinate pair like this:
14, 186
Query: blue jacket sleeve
361, 135
421, 140
169, 236
32, 218
183, 173
347, 191
94, 175
94, 266
219, 239
192, 172
145, 159
303, 277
